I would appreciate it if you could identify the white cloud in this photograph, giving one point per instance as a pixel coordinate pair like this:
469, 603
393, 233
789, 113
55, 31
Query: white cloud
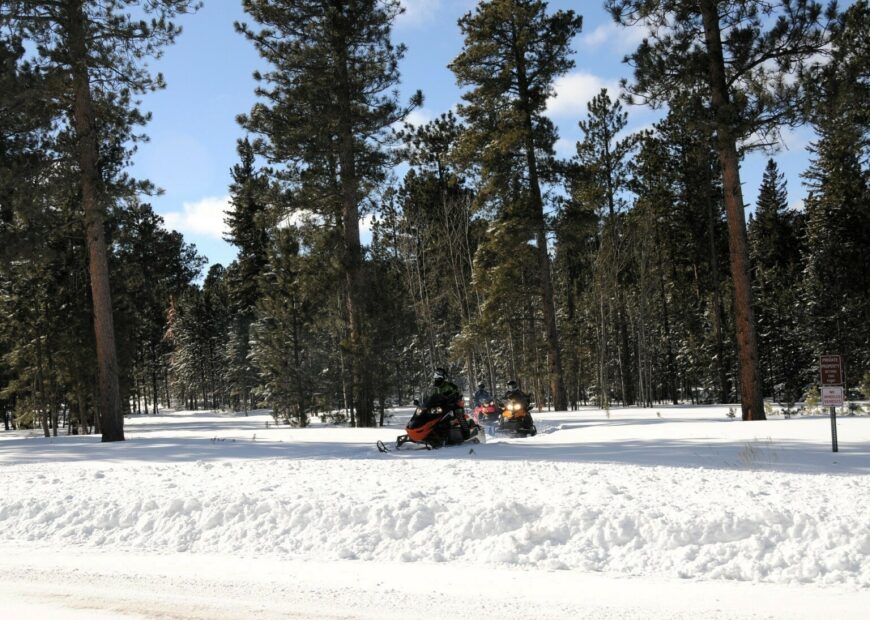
597, 36
418, 117
204, 217
365, 228
417, 12
366, 222
795, 139
565, 147
575, 90
618, 38
797, 205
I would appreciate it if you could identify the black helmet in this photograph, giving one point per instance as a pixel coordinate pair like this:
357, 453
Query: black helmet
439, 375
512, 385
481, 386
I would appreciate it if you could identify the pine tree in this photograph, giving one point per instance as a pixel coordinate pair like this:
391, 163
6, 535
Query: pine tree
775, 235
697, 244
284, 343
723, 50
42, 304
439, 243
835, 280
152, 266
333, 71
652, 226
603, 159
26, 133
96, 50
513, 51
247, 221
577, 235
197, 325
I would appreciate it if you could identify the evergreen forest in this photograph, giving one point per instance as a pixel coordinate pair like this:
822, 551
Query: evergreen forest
629, 274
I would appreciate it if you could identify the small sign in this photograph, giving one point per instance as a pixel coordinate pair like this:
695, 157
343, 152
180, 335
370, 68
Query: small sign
831, 369
832, 396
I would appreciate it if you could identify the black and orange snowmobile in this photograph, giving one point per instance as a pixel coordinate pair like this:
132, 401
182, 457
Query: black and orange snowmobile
516, 419
436, 425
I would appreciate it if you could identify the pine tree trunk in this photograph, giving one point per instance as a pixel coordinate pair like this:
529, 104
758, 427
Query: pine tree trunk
573, 388
54, 401
39, 389
670, 386
718, 311
454, 236
603, 381
111, 420
615, 266
154, 389
554, 359
363, 398
82, 418
166, 387
298, 374
747, 347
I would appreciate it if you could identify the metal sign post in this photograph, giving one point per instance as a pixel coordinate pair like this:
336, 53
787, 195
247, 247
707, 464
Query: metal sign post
831, 370
832, 396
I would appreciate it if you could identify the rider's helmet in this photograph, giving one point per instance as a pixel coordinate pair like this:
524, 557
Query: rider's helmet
481, 386
512, 385
439, 376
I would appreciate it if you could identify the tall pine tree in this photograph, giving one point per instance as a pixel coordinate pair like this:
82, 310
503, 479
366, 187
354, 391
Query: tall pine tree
835, 282
740, 54
328, 108
603, 160
775, 239
513, 52
248, 220
97, 52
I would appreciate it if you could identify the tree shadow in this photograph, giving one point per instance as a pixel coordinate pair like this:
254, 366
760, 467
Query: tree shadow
251, 440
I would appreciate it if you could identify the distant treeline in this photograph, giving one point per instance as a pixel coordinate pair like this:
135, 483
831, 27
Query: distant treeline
625, 274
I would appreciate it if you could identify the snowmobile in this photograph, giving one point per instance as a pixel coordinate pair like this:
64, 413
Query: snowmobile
434, 426
516, 419
487, 413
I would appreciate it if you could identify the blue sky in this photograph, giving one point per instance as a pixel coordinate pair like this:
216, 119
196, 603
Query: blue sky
208, 72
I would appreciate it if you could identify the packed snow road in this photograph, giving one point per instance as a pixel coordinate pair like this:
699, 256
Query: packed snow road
98, 585
677, 498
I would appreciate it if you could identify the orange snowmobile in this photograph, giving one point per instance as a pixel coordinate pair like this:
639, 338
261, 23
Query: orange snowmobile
437, 425
516, 419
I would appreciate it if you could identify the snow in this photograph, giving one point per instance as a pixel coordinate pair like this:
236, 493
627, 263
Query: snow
688, 510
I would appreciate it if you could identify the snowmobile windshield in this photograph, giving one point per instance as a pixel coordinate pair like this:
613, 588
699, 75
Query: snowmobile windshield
432, 401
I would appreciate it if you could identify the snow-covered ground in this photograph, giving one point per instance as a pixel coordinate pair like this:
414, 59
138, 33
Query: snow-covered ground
670, 512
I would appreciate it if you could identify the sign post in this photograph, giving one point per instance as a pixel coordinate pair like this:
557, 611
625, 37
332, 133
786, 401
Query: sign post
831, 370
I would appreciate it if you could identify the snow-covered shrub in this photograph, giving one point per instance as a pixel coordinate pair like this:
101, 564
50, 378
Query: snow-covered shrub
812, 398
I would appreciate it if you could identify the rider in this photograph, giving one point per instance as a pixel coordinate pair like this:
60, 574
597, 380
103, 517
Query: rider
446, 393
516, 394
481, 396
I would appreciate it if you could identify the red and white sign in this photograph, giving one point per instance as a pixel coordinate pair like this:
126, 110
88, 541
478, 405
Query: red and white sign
831, 369
832, 396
